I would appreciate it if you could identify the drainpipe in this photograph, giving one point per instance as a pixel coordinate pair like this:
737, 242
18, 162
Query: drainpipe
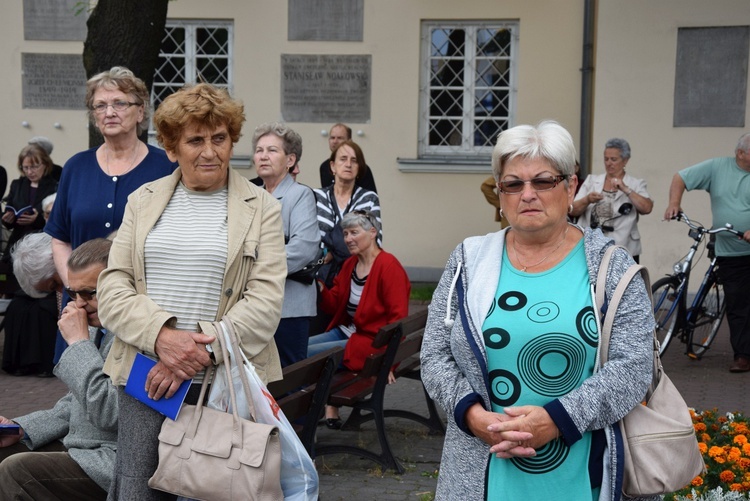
587, 86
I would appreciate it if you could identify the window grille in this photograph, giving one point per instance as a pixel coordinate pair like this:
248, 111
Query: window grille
467, 91
193, 52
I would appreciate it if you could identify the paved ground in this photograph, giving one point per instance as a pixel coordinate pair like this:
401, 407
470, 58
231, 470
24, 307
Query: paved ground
704, 384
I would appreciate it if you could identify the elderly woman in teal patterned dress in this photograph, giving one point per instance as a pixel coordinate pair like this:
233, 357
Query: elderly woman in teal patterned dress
510, 348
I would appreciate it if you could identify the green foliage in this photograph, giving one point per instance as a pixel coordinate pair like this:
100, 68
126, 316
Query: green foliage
422, 292
430, 474
82, 8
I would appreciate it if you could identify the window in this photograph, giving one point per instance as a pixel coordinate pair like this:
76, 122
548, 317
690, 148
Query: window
192, 52
467, 89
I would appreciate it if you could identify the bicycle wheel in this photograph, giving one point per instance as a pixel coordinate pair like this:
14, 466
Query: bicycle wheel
666, 309
706, 319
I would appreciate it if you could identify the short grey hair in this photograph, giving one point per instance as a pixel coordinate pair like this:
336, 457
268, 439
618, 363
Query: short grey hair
48, 200
547, 140
33, 263
44, 142
744, 143
124, 80
619, 144
290, 138
364, 219
90, 253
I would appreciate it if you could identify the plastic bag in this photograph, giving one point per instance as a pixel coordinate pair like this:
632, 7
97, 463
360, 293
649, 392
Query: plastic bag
299, 479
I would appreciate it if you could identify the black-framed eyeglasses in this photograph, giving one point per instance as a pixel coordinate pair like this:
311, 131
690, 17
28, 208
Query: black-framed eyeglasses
541, 183
86, 295
117, 106
367, 214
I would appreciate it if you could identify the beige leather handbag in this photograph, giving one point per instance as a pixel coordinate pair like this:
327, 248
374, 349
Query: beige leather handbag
660, 447
211, 455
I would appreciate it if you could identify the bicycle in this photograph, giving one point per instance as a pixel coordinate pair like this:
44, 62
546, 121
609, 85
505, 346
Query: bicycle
702, 318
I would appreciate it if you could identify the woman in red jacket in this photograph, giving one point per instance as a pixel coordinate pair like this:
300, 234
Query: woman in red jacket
371, 290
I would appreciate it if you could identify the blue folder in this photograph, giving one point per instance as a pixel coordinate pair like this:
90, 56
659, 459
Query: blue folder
136, 388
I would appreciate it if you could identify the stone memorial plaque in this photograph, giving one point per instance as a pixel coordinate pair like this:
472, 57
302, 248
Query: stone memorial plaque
711, 76
54, 20
326, 20
53, 81
325, 88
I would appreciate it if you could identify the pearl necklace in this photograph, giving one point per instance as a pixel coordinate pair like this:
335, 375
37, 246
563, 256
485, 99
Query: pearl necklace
526, 267
132, 162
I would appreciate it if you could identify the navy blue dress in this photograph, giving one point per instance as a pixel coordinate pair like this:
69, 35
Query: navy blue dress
90, 204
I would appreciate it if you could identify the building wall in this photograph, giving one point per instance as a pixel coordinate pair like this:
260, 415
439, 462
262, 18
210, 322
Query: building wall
71, 137
636, 49
424, 214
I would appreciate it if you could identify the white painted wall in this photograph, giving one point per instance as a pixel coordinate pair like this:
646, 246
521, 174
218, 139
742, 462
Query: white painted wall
424, 215
636, 48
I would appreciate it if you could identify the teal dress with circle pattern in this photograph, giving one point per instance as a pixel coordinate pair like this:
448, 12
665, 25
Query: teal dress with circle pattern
541, 337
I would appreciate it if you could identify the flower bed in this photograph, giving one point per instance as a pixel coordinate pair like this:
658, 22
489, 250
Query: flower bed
723, 440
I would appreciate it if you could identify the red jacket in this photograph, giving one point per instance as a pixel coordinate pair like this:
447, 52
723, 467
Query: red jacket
385, 299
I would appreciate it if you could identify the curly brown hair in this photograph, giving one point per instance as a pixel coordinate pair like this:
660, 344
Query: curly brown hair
202, 104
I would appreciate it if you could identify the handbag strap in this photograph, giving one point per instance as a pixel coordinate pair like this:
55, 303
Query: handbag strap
226, 332
614, 302
198, 411
601, 278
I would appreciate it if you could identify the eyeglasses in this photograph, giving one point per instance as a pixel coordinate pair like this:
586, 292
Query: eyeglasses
367, 214
27, 168
117, 106
516, 186
86, 295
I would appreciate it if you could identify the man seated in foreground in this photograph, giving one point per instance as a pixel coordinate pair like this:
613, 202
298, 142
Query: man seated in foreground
68, 452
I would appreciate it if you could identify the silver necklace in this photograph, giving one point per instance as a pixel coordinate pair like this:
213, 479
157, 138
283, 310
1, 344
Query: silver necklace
526, 267
132, 162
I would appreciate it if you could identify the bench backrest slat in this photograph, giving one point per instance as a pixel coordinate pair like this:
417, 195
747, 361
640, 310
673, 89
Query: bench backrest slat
389, 336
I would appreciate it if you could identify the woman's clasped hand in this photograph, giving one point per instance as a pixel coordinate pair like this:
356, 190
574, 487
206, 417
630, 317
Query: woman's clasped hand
518, 431
182, 354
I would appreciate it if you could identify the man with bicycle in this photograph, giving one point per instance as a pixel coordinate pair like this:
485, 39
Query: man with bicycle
727, 180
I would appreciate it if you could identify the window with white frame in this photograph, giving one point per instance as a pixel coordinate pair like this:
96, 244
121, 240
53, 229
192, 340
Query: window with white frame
467, 89
191, 52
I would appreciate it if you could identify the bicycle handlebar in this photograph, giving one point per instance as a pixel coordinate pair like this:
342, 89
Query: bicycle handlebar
681, 216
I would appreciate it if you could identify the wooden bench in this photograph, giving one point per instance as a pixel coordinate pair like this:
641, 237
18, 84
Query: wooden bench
364, 391
303, 392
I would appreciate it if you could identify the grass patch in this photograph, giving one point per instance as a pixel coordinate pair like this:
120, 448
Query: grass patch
422, 291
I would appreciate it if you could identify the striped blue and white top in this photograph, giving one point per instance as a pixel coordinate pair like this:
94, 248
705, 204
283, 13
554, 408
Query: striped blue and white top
329, 213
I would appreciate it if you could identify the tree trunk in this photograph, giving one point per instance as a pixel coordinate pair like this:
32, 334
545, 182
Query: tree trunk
124, 33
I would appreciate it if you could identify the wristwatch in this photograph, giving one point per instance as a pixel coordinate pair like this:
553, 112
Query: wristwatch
211, 353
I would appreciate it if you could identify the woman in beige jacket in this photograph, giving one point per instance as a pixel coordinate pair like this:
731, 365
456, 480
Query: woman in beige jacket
194, 247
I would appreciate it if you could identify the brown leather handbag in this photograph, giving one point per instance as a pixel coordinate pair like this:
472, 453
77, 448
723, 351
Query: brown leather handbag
211, 455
